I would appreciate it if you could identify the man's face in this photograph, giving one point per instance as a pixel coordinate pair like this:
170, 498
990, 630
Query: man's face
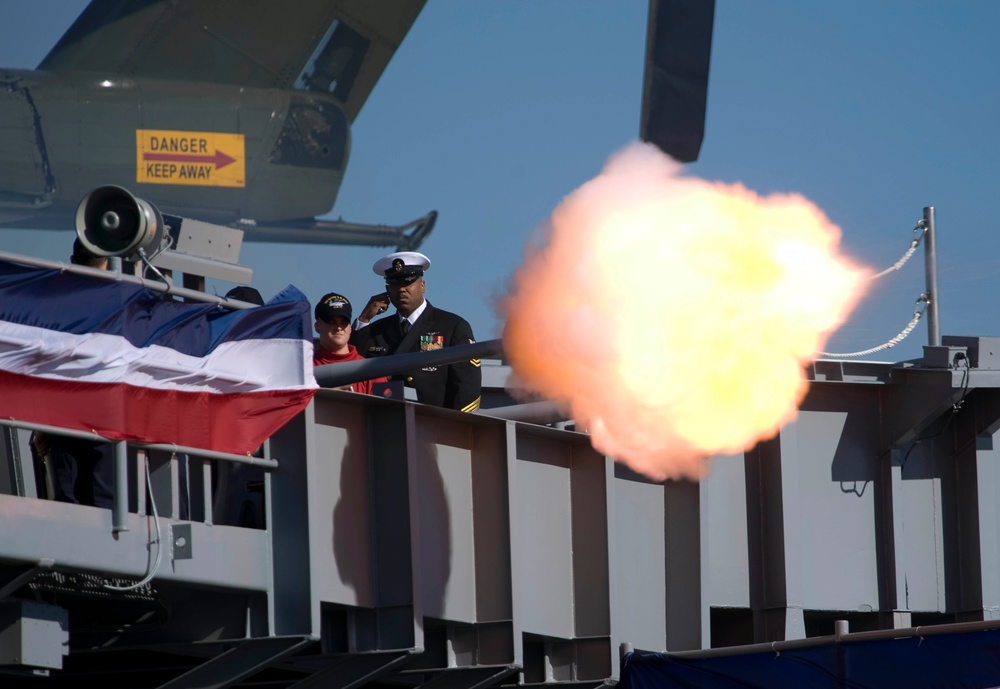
406, 297
333, 336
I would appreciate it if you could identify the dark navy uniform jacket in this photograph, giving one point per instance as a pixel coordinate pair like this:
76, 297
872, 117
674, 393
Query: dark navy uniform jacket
456, 386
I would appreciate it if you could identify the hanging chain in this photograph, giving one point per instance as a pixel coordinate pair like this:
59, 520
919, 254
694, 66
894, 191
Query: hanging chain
922, 302
918, 233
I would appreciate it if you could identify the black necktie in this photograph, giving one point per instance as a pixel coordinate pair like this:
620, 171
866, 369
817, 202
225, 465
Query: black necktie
404, 326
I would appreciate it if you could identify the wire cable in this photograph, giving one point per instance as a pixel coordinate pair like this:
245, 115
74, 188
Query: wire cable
158, 542
146, 260
955, 408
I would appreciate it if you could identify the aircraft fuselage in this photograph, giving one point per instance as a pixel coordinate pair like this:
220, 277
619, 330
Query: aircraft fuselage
219, 152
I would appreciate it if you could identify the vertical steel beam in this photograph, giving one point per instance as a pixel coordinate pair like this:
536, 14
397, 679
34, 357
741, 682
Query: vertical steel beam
292, 606
683, 531
413, 503
164, 475
774, 618
988, 486
890, 545
514, 530
12, 474
589, 476
492, 529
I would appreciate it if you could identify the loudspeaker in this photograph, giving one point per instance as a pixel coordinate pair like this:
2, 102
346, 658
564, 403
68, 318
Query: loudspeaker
112, 222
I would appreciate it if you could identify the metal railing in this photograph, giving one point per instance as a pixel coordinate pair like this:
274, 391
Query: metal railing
121, 453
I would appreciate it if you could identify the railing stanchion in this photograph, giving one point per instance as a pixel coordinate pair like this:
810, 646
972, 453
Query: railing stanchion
119, 508
930, 264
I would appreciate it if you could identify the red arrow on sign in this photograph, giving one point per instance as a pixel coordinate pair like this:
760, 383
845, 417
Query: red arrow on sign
220, 159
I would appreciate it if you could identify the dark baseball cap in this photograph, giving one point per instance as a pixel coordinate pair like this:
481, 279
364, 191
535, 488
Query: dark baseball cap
247, 294
331, 306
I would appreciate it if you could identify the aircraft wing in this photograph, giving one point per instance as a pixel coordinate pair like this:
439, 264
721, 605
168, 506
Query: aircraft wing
334, 46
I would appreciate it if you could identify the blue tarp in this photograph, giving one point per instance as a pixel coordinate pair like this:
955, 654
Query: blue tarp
968, 660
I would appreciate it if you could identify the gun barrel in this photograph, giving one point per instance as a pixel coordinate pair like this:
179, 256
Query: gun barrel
347, 372
541, 412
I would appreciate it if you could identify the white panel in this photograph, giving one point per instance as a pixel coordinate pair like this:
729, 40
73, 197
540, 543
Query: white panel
639, 564
341, 526
545, 560
447, 554
829, 514
724, 507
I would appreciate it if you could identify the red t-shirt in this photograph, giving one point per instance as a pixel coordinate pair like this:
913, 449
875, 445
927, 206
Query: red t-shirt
322, 356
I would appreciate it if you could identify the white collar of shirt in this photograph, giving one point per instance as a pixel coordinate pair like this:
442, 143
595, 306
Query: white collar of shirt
412, 318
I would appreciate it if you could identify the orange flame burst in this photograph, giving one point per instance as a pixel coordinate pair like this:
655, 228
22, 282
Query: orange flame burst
672, 316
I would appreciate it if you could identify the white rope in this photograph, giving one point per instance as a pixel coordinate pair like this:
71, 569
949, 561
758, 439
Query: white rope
918, 232
918, 312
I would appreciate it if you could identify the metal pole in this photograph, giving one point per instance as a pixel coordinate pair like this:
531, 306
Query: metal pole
930, 265
852, 637
119, 508
154, 285
840, 630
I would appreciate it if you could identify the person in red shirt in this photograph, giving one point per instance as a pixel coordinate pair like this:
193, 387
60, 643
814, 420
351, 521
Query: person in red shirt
333, 324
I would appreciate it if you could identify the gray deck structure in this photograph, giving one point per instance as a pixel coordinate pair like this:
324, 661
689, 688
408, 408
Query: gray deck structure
398, 544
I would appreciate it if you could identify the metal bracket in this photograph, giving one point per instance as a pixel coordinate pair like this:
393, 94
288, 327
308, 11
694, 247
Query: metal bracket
180, 542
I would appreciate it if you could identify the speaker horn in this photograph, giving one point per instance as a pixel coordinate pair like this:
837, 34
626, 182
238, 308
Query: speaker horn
112, 222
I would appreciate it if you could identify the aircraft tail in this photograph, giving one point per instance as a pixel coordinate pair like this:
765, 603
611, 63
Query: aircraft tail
675, 86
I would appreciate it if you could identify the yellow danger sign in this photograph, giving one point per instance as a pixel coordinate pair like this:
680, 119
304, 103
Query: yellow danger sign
208, 159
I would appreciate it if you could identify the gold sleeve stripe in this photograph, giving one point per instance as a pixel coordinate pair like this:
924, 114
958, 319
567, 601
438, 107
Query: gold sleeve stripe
475, 362
473, 405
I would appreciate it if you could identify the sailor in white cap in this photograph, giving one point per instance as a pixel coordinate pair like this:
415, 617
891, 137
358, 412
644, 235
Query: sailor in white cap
418, 326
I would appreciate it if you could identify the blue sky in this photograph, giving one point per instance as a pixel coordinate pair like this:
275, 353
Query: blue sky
491, 112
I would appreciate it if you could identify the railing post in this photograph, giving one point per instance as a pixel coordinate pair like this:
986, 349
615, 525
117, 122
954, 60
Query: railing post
119, 508
930, 266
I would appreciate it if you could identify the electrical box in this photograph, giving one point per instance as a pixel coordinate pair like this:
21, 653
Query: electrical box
33, 634
984, 352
